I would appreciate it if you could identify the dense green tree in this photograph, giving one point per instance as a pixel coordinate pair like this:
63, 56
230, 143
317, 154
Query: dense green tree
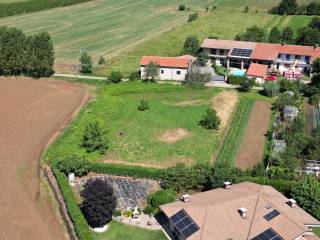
315, 23
191, 46
203, 59
99, 202
162, 197
210, 120
94, 138
115, 77
275, 35
287, 35
307, 193
246, 85
73, 164
308, 36
85, 63
253, 34
313, 8
289, 7
29, 55
152, 71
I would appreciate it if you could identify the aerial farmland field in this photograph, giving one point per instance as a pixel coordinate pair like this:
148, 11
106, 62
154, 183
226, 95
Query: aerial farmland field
103, 27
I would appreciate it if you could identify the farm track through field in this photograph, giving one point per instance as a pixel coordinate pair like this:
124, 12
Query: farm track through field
31, 112
251, 148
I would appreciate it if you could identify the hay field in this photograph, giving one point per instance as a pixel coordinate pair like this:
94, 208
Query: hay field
103, 26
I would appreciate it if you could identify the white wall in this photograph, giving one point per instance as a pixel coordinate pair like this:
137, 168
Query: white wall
169, 73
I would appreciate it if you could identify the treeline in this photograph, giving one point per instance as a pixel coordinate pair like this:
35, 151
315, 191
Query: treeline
308, 36
16, 8
28, 55
291, 7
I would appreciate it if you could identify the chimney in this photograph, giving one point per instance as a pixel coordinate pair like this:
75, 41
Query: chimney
316, 46
185, 198
227, 185
292, 203
243, 212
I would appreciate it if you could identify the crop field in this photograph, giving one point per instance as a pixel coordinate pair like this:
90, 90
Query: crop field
162, 136
102, 27
31, 112
217, 23
111, 28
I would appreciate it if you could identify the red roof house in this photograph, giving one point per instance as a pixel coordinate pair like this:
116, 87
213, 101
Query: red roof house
257, 70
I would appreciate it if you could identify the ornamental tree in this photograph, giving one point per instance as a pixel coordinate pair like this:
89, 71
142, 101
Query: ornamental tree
99, 202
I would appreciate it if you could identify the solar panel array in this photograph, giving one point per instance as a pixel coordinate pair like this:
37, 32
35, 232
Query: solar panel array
271, 215
241, 52
184, 223
269, 234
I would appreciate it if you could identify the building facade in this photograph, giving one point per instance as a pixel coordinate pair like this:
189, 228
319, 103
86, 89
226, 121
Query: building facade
170, 68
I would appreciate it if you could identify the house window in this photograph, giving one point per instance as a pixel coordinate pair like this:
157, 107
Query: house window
307, 59
288, 57
297, 57
162, 71
213, 51
221, 52
279, 55
178, 72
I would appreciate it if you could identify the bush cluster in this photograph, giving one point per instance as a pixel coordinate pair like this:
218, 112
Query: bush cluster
115, 77
193, 17
182, 177
235, 79
21, 7
143, 106
161, 197
28, 55
210, 120
73, 164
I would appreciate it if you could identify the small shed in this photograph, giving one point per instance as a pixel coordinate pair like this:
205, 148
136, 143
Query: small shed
290, 112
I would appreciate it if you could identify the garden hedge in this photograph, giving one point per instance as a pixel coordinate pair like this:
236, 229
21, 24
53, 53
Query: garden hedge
80, 224
126, 170
283, 186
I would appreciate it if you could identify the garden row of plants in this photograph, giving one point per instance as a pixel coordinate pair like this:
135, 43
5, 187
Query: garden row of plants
16, 8
230, 147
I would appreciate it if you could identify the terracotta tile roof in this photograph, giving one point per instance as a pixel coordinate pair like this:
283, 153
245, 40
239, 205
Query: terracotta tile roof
215, 212
257, 70
269, 51
227, 44
173, 62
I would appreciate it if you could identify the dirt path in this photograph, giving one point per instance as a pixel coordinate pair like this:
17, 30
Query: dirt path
251, 149
31, 111
224, 103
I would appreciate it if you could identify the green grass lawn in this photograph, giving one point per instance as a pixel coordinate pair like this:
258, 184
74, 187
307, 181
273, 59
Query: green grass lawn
119, 231
316, 231
115, 108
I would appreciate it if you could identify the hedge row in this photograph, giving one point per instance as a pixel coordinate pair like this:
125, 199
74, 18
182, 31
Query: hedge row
126, 170
80, 224
283, 186
16, 8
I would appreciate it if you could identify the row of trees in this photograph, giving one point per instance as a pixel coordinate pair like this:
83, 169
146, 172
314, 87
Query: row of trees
309, 35
28, 55
15, 8
291, 7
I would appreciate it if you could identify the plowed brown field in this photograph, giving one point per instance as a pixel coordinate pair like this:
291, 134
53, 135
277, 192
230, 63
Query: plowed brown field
31, 112
251, 149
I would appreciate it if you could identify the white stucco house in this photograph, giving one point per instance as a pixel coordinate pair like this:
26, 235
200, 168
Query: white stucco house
171, 68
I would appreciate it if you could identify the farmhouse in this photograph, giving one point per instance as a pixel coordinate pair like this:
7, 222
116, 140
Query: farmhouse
241, 211
171, 68
289, 60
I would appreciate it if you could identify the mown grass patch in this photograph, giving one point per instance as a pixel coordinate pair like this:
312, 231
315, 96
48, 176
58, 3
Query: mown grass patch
118, 231
135, 136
